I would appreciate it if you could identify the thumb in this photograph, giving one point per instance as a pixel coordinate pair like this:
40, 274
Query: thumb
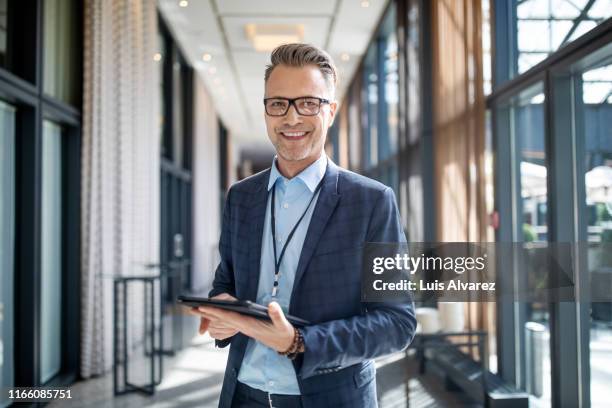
276, 314
203, 325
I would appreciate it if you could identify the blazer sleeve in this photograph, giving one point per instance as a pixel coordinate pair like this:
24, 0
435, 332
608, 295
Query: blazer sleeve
224, 274
382, 328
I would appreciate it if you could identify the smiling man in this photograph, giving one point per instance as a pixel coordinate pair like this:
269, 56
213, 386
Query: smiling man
291, 239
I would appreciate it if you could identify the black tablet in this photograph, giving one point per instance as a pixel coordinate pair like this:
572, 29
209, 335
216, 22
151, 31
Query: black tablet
241, 306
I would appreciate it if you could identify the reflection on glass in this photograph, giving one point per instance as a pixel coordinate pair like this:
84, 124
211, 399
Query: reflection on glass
595, 106
178, 126
60, 50
51, 252
371, 110
546, 25
389, 135
159, 59
7, 235
529, 135
3, 32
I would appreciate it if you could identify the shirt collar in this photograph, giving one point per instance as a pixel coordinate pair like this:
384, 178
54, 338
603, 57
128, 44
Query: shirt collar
311, 175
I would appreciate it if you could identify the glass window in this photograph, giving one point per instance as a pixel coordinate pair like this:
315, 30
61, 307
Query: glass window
389, 126
354, 125
370, 104
178, 126
7, 243
546, 25
3, 32
523, 116
60, 78
535, 319
594, 111
51, 251
159, 58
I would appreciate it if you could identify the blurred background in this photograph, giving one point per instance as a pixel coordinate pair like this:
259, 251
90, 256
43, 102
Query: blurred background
124, 122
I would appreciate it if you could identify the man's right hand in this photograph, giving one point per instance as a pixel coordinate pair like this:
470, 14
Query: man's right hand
217, 330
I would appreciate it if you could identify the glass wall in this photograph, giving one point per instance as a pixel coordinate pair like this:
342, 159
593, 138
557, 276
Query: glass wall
3, 32
40, 52
51, 252
593, 118
370, 110
379, 96
535, 317
7, 244
521, 120
60, 51
543, 26
563, 168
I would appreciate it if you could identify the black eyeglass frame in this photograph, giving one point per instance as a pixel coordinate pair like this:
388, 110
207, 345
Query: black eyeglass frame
292, 102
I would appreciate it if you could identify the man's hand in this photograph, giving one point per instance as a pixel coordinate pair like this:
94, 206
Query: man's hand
277, 335
218, 330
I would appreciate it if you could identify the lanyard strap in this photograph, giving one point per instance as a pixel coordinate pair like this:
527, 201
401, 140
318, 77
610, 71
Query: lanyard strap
277, 261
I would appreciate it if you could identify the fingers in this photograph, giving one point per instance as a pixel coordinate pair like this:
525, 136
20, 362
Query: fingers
221, 333
204, 323
219, 324
224, 296
277, 315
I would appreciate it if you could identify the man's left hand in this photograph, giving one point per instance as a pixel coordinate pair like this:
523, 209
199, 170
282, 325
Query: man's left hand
277, 334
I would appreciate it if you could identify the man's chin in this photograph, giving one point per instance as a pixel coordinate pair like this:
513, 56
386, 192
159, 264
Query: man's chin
293, 156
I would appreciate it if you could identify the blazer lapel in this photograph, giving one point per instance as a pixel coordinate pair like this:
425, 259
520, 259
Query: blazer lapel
256, 218
326, 203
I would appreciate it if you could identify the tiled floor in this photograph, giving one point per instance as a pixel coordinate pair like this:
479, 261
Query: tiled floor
193, 378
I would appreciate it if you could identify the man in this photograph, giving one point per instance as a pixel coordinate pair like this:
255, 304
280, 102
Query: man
291, 239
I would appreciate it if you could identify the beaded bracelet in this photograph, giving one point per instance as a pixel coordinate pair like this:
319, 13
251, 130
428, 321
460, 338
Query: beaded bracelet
296, 345
299, 348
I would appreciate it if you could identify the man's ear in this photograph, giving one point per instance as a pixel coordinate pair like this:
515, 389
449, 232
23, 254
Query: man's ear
332, 112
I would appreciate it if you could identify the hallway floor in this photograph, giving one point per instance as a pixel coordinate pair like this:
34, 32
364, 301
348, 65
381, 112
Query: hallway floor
194, 376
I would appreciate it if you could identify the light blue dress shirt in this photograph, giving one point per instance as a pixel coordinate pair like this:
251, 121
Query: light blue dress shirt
263, 368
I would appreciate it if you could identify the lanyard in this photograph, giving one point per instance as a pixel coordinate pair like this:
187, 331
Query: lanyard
277, 262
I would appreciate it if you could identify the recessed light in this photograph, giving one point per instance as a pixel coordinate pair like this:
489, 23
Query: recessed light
365, 4
266, 37
212, 70
206, 57
345, 57
183, 3
157, 57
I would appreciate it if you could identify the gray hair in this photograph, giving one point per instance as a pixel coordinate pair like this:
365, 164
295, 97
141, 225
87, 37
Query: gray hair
300, 55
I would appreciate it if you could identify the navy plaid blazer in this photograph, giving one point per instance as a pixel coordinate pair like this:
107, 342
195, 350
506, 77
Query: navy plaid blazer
336, 369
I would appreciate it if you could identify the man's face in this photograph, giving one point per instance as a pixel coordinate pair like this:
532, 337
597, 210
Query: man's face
294, 136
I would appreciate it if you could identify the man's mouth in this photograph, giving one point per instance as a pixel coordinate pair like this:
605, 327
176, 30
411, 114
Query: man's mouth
294, 135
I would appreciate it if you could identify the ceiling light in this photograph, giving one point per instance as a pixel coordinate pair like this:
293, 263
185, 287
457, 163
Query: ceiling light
183, 3
266, 37
157, 57
206, 57
212, 70
345, 57
365, 4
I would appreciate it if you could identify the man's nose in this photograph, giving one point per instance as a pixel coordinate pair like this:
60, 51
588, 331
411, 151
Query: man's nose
292, 117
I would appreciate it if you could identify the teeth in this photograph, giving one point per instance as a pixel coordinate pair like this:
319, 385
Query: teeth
294, 134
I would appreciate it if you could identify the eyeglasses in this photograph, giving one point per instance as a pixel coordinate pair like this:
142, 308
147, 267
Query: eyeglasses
305, 106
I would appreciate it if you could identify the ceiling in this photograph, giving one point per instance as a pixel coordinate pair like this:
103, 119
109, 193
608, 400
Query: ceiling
213, 38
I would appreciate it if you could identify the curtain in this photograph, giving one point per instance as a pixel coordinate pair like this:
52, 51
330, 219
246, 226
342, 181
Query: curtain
459, 137
120, 165
458, 120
